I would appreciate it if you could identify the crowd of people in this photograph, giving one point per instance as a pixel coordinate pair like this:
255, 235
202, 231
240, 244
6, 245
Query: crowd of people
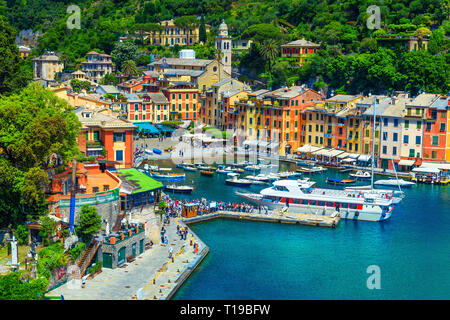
175, 207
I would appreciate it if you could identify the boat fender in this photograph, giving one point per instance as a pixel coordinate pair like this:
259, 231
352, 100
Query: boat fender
356, 213
383, 214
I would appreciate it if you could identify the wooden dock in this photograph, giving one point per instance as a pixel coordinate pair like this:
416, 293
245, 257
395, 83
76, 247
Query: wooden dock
272, 216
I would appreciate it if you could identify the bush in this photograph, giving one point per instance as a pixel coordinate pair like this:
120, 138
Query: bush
75, 252
98, 266
22, 234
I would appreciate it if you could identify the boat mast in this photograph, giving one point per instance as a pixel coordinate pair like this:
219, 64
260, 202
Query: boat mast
373, 140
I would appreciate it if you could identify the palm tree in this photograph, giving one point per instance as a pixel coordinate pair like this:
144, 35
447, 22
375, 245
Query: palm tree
269, 50
129, 68
219, 56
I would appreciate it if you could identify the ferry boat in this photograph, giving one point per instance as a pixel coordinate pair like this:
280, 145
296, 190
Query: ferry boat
303, 198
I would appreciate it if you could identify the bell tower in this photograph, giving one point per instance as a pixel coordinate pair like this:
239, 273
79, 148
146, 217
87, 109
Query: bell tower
223, 42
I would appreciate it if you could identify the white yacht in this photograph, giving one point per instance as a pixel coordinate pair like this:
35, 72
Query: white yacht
303, 198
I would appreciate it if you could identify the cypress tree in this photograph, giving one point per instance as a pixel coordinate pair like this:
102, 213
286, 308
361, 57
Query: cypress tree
202, 30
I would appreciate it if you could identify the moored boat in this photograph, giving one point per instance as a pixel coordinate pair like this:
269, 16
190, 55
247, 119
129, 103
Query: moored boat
340, 181
179, 189
303, 198
361, 175
235, 181
208, 173
394, 183
160, 175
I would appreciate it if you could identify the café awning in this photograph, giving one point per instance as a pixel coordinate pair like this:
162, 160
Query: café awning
307, 149
364, 157
406, 162
441, 166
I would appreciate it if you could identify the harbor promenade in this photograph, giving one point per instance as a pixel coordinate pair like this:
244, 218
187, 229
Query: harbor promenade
157, 274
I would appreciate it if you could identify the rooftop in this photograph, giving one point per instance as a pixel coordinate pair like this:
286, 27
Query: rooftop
138, 181
301, 43
183, 62
158, 97
342, 98
424, 100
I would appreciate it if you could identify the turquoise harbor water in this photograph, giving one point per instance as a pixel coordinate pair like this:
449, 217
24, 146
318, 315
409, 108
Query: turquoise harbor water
257, 260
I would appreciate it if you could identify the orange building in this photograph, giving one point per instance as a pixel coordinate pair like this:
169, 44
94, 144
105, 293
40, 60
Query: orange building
183, 100
435, 126
107, 138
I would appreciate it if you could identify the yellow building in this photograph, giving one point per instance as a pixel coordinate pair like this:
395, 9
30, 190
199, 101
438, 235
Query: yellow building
204, 73
172, 34
46, 67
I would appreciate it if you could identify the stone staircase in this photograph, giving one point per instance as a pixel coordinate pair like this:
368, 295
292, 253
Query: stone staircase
87, 256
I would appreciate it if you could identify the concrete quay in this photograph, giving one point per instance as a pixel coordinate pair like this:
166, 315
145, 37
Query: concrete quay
157, 274
272, 216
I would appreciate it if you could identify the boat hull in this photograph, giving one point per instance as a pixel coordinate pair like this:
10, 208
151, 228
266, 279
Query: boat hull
237, 184
168, 189
298, 208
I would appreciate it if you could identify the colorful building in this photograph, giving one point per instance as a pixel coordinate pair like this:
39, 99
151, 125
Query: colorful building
183, 100
277, 116
412, 130
435, 130
47, 66
300, 50
106, 137
203, 72
172, 34
97, 66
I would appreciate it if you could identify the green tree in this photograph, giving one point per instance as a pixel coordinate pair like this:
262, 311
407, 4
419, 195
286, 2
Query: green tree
262, 32
48, 229
34, 125
11, 79
124, 51
22, 234
89, 222
14, 286
202, 30
129, 68
270, 50
141, 28
186, 23
109, 79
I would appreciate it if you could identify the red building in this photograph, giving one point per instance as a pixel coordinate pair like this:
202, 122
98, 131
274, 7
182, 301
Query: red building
434, 134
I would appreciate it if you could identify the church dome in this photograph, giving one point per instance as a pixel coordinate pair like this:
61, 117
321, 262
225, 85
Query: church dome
223, 29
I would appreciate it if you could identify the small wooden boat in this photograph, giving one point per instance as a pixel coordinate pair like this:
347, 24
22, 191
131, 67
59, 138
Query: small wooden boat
179, 189
160, 175
361, 175
207, 168
190, 168
235, 181
287, 174
340, 181
224, 170
209, 173
238, 170
311, 170
253, 168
